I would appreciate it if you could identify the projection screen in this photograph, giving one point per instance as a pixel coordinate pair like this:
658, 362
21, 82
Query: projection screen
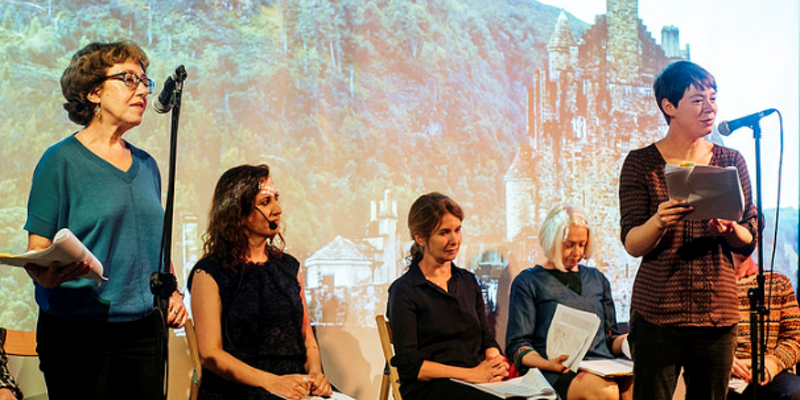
359, 107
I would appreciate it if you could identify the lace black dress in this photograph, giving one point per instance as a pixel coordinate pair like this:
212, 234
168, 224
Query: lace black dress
261, 322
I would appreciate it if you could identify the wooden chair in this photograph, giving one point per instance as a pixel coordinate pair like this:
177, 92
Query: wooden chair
191, 339
20, 343
390, 377
23, 362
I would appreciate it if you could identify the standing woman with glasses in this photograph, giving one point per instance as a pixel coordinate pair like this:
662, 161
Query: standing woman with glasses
98, 341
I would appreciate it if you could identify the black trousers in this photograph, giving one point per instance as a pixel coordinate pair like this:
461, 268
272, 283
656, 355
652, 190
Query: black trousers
659, 352
93, 360
445, 389
785, 386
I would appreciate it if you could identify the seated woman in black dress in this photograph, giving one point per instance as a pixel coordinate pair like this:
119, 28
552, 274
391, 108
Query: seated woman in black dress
437, 314
253, 332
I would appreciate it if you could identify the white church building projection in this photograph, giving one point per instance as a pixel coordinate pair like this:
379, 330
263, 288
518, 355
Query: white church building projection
341, 262
347, 279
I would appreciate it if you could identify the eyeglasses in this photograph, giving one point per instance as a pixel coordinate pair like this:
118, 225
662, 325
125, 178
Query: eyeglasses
132, 80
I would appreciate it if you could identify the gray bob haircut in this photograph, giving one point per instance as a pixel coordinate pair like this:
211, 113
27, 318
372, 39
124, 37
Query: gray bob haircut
555, 229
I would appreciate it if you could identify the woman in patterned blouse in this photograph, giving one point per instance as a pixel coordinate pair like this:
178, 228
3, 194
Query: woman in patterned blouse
683, 305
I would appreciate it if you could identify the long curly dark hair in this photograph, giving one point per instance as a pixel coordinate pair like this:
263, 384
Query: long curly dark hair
225, 239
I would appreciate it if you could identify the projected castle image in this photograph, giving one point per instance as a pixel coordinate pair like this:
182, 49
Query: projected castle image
586, 109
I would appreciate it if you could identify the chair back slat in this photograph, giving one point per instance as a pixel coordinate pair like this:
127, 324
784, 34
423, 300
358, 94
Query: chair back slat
390, 375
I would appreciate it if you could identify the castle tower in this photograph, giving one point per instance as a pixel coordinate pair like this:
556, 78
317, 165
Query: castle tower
623, 51
520, 194
387, 227
562, 49
671, 43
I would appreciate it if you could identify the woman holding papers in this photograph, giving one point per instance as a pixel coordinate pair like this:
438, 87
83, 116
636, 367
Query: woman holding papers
536, 293
683, 307
99, 342
437, 314
253, 331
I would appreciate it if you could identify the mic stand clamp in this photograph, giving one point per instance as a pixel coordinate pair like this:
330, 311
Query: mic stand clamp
162, 286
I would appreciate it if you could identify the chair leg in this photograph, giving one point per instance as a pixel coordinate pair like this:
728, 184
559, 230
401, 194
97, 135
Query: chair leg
385, 384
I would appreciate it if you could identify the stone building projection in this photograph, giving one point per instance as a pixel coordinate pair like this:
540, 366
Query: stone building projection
587, 108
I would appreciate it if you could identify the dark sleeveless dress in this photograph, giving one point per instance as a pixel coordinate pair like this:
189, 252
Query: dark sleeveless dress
261, 322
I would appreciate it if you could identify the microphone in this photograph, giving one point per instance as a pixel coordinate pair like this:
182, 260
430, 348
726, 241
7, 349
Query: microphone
725, 128
163, 104
272, 224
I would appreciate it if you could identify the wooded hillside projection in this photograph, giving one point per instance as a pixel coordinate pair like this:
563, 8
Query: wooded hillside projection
358, 106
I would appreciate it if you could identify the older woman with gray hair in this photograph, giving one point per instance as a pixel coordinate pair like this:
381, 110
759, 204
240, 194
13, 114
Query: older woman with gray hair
566, 238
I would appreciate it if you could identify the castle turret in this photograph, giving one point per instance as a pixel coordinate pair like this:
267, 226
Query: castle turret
520, 194
623, 50
387, 220
561, 49
671, 43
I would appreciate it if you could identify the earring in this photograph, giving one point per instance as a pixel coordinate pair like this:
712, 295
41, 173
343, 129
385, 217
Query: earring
97, 109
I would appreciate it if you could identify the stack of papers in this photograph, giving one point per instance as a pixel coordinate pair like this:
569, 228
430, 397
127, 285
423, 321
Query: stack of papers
571, 332
532, 386
714, 192
66, 249
608, 367
738, 385
334, 396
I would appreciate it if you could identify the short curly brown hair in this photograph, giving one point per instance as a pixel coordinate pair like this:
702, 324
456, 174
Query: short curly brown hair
88, 69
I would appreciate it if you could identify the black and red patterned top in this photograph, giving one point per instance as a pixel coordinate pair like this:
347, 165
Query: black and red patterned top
688, 278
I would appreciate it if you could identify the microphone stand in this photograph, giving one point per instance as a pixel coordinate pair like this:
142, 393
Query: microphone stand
758, 310
163, 283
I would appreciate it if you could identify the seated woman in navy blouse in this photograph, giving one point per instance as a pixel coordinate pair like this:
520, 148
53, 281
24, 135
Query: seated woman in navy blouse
253, 331
437, 314
566, 239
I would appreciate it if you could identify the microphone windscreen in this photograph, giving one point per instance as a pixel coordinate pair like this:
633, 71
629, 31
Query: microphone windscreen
724, 129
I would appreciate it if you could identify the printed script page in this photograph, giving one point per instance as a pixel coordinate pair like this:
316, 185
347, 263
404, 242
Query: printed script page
608, 367
532, 386
571, 333
714, 192
66, 249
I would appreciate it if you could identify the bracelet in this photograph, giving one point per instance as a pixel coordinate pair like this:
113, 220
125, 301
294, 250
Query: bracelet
520, 355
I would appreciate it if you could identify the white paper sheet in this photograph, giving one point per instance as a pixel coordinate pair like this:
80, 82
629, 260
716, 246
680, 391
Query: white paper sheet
571, 333
714, 192
608, 367
532, 386
66, 249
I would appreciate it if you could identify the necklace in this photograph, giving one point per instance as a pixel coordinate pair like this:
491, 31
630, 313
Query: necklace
440, 283
437, 279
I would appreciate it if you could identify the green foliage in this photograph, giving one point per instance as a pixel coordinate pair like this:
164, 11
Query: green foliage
344, 99
18, 309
